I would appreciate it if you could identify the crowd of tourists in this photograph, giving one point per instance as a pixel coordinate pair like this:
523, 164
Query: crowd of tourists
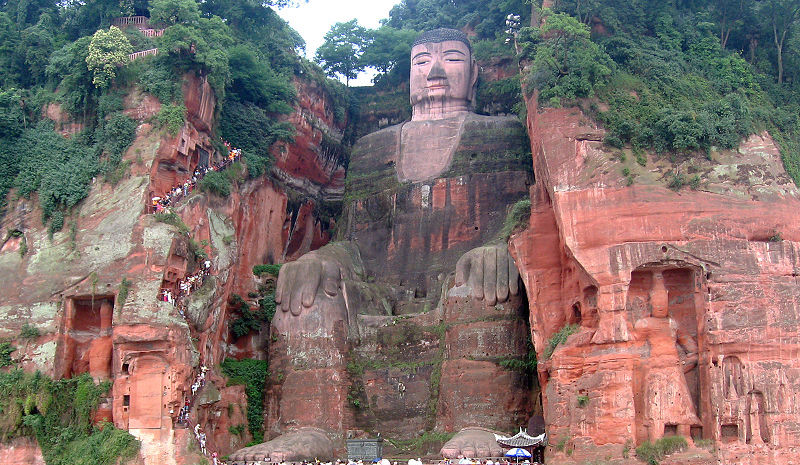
459, 461
183, 416
186, 286
159, 203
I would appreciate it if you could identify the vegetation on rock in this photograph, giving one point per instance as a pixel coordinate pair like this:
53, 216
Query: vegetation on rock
652, 452
59, 415
253, 374
558, 338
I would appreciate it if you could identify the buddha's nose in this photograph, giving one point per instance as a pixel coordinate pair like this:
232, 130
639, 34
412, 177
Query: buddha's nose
437, 72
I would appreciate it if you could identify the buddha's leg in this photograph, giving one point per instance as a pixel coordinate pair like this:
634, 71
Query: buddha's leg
308, 385
478, 393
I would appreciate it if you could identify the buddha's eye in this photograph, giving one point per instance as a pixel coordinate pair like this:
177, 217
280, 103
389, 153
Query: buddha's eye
453, 60
424, 60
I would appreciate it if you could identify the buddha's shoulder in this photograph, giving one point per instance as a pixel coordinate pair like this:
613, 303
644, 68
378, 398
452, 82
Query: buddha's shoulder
382, 140
388, 139
507, 129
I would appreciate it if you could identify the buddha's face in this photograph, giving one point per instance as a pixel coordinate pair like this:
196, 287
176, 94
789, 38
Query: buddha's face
443, 77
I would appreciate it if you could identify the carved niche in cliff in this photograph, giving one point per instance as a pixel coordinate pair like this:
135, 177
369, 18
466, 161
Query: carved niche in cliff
665, 302
85, 339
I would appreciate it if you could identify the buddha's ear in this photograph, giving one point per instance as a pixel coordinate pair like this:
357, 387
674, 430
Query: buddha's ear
473, 85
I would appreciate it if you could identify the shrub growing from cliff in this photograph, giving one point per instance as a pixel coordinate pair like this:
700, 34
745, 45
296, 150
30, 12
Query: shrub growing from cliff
217, 183
267, 268
565, 63
652, 452
171, 118
58, 414
517, 218
6, 349
558, 338
253, 374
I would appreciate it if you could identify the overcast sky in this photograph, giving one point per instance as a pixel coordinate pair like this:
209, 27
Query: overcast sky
313, 19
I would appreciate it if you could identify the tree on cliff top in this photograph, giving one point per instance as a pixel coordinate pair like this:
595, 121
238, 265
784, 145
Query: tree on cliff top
341, 52
108, 51
387, 51
169, 12
780, 16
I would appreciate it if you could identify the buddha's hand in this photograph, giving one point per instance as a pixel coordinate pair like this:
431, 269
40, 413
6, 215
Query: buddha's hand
490, 272
300, 281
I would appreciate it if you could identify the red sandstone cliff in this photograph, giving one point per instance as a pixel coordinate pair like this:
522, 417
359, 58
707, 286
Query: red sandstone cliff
71, 287
720, 261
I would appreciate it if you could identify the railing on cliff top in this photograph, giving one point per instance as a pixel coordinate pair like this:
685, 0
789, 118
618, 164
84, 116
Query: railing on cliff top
125, 21
139, 22
143, 53
152, 32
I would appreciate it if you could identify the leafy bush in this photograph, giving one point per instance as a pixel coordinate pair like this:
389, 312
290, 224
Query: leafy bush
119, 133
677, 181
253, 374
583, 400
267, 307
501, 96
59, 169
28, 331
161, 82
565, 63
172, 118
59, 414
6, 349
236, 430
268, 268
559, 338
172, 218
215, 182
517, 218
652, 453
252, 129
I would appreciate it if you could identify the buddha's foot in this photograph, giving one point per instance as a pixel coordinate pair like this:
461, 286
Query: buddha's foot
294, 446
472, 442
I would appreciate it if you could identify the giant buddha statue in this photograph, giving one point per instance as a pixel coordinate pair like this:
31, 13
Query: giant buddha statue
419, 248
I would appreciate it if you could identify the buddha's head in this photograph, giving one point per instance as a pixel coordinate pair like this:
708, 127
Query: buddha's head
443, 74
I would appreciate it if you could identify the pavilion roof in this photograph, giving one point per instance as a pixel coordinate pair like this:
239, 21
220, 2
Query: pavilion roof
521, 439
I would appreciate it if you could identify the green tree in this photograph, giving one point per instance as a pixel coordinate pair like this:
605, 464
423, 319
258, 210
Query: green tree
387, 49
68, 71
201, 48
169, 12
108, 51
255, 81
779, 16
341, 51
728, 14
566, 63
33, 51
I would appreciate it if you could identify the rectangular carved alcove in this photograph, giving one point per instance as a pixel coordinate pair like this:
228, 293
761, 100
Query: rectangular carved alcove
85, 339
729, 432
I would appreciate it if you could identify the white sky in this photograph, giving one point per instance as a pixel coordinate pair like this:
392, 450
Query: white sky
313, 19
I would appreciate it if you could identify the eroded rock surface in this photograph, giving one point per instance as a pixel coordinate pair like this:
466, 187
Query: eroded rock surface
92, 291
684, 300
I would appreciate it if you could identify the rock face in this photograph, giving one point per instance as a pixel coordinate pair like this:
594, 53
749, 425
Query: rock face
93, 293
685, 301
